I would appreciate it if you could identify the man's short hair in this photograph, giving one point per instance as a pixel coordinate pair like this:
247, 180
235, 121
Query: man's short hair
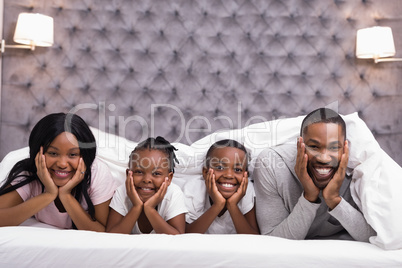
322, 115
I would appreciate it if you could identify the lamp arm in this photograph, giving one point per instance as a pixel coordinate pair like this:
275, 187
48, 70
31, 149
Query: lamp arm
3, 46
377, 60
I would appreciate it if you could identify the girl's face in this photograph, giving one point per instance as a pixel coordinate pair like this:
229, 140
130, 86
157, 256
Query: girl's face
229, 165
150, 168
62, 158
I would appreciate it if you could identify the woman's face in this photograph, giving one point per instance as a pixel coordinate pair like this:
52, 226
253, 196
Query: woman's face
62, 158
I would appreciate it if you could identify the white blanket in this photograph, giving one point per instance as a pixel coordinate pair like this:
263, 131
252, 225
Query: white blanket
39, 247
376, 185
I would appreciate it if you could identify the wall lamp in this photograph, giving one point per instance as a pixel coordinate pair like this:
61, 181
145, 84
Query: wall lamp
375, 43
32, 30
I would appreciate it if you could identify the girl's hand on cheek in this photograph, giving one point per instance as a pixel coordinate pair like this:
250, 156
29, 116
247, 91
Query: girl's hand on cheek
212, 189
43, 173
131, 191
241, 191
158, 196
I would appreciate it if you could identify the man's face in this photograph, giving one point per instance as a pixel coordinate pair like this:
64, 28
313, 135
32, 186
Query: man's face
324, 148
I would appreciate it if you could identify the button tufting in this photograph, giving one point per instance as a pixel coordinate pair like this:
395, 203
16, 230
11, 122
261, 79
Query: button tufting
145, 55
86, 88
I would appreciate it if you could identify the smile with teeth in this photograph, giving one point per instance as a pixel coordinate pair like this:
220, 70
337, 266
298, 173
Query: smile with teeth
61, 174
145, 188
323, 171
228, 185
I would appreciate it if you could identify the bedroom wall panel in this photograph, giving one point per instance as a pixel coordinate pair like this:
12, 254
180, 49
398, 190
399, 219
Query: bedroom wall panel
183, 69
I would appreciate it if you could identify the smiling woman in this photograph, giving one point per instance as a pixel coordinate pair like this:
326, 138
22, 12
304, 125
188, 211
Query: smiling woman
61, 183
63, 158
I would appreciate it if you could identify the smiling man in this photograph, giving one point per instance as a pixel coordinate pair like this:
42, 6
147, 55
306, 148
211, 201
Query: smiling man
302, 191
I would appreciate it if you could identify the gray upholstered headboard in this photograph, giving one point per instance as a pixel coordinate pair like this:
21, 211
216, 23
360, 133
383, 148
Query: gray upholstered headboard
186, 68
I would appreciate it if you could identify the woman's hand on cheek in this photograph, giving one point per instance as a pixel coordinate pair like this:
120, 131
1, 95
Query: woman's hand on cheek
43, 173
75, 180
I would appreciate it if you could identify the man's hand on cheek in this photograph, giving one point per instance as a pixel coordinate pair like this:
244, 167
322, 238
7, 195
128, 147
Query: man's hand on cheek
311, 191
331, 192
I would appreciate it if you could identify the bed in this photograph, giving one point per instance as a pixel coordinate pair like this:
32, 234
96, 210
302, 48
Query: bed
376, 187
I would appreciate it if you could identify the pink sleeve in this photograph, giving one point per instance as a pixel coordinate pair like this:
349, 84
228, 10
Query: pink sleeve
103, 183
25, 191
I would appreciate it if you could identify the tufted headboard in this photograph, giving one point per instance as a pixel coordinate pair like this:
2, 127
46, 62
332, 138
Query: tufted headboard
186, 68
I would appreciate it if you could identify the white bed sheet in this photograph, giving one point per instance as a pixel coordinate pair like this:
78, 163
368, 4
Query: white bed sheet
33, 246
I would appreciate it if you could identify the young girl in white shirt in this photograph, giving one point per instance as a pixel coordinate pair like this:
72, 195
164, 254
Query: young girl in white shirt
148, 202
222, 202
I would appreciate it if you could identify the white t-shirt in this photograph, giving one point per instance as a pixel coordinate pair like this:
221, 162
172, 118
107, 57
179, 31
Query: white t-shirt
101, 189
197, 202
172, 204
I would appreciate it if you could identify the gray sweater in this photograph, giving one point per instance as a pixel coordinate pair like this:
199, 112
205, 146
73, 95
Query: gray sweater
283, 211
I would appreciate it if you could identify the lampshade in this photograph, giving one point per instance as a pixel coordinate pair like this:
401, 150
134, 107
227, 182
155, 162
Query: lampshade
34, 29
375, 42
